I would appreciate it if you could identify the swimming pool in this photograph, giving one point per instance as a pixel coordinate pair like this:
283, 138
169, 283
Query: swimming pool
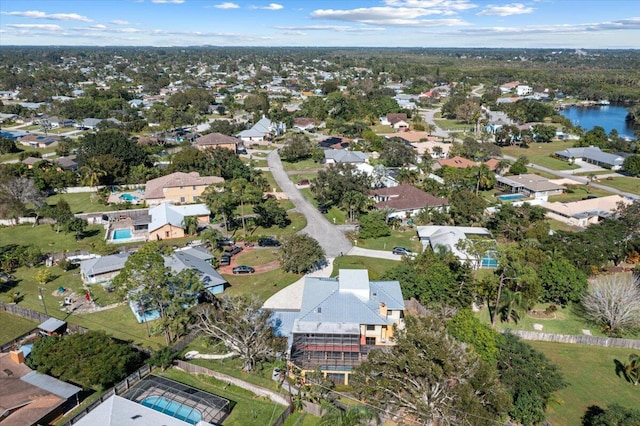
121, 234
173, 409
128, 197
511, 197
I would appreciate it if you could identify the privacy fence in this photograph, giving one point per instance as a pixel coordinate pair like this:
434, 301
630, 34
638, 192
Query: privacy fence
607, 342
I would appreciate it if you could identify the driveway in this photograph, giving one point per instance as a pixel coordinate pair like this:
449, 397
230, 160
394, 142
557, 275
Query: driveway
330, 238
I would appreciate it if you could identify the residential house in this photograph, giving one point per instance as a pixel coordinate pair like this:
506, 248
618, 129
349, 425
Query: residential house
92, 123
340, 321
593, 155
531, 185
381, 176
199, 259
335, 142
32, 161
39, 141
262, 131
56, 122
524, 90
456, 162
583, 213
8, 117
167, 220
28, 397
398, 121
333, 156
508, 87
405, 200
303, 124
218, 140
453, 238
102, 269
66, 163
178, 187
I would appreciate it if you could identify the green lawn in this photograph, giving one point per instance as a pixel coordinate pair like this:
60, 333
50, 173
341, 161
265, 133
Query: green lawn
551, 162
262, 285
14, 326
579, 192
623, 183
302, 419
16, 155
454, 125
536, 149
383, 129
83, 202
247, 408
376, 267
45, 238
406, 237
590, 372
261, 376
258, 257
307, 164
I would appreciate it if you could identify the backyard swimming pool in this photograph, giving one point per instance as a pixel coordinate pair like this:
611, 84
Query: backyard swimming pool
173, 409
511, 197
129, 197
121, 234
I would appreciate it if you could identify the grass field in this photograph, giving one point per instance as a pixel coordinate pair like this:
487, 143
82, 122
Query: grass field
16, 155
536, 149
590, 373
83, 202
46, 238
376, 267
14, 326
262, 285
578, 192
623, 183
258, 256
307, 164
454, 125
405, 237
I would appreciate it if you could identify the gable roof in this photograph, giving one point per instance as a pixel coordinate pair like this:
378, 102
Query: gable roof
261, 128
213, 139
449, 236
119, 411
406, 197
195, 258
104, 264
396, 118
593, 153
155, 187
530, 181
168, 214
345, 156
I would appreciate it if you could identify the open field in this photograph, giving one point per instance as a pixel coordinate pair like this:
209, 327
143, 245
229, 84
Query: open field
536, 150
579, 192
48, 241
16, 155
307, 164
590, 373
84, 202
14, 326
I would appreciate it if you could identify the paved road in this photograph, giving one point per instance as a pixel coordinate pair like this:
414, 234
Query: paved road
330, 238
578, 179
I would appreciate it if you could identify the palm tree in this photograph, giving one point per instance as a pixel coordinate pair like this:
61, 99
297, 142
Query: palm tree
502, 166
632, 369
511, 305
191, 225
220, 202
484, 177
354, 202
354, 416
406, 175
430, 128
245, 193
92, 172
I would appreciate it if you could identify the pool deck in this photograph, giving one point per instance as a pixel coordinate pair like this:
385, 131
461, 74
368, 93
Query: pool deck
114, 197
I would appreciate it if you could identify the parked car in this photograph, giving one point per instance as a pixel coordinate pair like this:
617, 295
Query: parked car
225, 260
232, 251
242, 151
323, 209
401, 251
303, 182
224, 242
243, 269
268, 242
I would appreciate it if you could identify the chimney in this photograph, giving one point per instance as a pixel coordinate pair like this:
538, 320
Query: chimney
383, 309
17, 356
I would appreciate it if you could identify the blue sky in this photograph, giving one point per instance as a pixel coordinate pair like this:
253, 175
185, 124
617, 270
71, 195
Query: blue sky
421, 23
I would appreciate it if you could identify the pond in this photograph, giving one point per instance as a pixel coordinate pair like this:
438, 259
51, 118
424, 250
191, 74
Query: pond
607, 116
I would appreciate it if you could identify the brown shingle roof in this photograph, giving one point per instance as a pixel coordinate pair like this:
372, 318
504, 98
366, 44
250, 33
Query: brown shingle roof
457, 162
216, 139
406, 197
154, 187
394, 118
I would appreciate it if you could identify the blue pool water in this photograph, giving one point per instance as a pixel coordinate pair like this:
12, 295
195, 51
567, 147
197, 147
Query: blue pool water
129, 197
121, 234
173, 409
510, 197
489, 262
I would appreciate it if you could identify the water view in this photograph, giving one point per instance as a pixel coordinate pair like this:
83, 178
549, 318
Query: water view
609, 117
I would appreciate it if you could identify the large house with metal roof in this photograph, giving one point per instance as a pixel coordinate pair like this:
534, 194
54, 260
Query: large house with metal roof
333, 156
592, 155
340, 321
531, 185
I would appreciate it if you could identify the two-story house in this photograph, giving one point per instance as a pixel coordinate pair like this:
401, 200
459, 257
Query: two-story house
341, 320
178, 187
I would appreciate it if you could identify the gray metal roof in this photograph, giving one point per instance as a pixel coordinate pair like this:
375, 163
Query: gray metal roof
192, 258
592, 153
51, 325
345, 156
51, 385
102, 265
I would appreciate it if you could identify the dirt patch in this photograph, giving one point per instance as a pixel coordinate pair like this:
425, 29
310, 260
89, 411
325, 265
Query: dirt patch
542, 314
259, 268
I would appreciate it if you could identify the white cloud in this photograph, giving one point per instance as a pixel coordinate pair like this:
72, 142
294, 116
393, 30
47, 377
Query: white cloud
36, 14
389, 16
506, 10
226, 5
119, 22
623, 24
273, 6
45, 27
336, 28
446, 7
168, 1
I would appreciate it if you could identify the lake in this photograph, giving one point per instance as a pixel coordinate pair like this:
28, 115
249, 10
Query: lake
609, 117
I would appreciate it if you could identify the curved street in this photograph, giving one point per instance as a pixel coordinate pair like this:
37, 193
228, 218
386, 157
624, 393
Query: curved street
330, 238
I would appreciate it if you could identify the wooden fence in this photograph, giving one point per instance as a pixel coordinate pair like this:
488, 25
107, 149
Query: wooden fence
607, 342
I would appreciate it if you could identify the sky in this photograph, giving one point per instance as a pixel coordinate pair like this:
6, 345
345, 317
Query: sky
609, 24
